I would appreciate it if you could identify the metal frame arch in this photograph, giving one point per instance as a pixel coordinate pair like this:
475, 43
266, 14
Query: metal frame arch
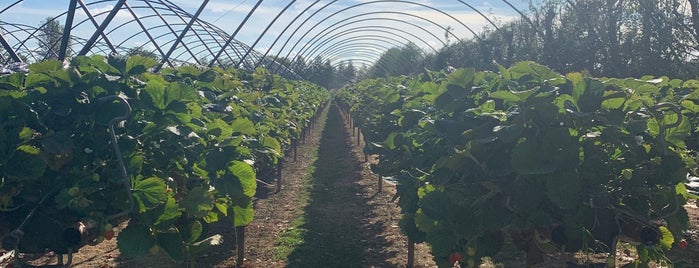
350, 42
368, 29
388, 19
286, 28
357, 53
317, 38
374, 2
356, 45
367, 37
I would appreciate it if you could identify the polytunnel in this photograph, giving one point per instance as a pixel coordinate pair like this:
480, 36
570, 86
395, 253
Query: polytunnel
243, 34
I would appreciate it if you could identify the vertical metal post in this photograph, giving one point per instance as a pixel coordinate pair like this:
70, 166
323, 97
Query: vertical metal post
94, 22
91, 42
9, 49
150, 37
265, 31
230, 39
283, 31
66, 30
182, 34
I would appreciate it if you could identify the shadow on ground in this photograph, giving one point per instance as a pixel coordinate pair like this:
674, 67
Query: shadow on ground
335, 232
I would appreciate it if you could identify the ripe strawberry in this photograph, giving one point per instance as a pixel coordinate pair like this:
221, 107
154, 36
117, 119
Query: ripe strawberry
454, 257
683, 244
109, 234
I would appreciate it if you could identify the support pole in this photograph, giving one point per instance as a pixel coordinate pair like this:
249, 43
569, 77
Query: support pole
66, 30
411, 253
91, 42
240, 245
279, 175
182, 34
231, 38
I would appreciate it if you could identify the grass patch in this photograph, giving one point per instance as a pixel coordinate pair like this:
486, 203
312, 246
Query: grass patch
293, 237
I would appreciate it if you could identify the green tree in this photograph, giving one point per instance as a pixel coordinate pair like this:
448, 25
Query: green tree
49, 38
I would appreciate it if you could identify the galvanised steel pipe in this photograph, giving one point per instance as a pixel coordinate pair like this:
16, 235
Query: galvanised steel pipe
318, 36
284, 31
265, 31
381, 1
354, 45
367, 37
340, 43
369, 29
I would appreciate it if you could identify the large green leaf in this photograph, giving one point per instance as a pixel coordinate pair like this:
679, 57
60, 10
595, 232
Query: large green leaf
243, 215
172, 244
243, 126
135, 240
246, 175
14, 81
25, 163
155, 91
198, 202
150, 193
137, 64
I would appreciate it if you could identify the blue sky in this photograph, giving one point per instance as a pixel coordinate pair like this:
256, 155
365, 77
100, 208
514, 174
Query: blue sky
368, 28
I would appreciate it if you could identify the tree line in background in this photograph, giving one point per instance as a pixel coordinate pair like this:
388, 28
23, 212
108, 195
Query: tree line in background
614, 38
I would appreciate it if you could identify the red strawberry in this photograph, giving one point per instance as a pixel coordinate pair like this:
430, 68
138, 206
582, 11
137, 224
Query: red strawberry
683, 244
454, 257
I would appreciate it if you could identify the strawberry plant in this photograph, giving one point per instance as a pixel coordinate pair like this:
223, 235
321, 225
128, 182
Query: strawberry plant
190, 148
554, 162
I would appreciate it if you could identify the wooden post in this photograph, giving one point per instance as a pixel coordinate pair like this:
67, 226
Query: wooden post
303, 135
279, 175
240, 245
380, 183
411, 253
295, 149
366, 157
358, 136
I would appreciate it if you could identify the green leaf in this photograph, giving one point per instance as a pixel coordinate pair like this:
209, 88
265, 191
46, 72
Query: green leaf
150, 193
137, 64
25, 163
506, 96
667, 238
272, 144
195, 231
171, 211
243, 126
197, 202
172, 244
564, 189
14, 81
246, 175
135, 240
178, 92
243, 215
40, 74
155, 91
208, 76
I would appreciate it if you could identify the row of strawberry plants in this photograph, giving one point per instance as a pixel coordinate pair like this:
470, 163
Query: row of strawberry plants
550, 162
192, 141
